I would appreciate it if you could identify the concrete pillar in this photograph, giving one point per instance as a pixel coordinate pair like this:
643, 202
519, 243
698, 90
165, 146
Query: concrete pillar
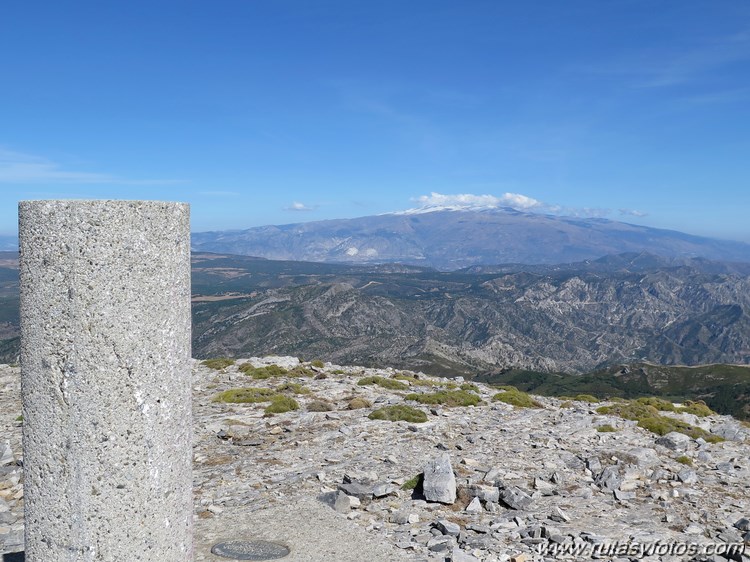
105, 370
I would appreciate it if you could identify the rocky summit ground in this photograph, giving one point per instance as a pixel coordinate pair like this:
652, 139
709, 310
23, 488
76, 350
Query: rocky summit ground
490, 482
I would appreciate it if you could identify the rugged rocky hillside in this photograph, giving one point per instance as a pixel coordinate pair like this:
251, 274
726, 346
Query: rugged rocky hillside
571, 318
489, 482
451, 239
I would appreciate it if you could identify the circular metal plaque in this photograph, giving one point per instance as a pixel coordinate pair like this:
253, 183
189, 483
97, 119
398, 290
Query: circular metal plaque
250, 550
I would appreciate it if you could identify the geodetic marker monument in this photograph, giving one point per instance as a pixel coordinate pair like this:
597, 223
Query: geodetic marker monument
105, 362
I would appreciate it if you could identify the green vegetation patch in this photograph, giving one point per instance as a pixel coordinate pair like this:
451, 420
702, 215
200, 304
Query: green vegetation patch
319, 406
648, 418
260, 373
697, 408
468, 386
606, 428
399, 412
280, 404
249, 395
413, 483
511, 395
684, 459
300, 371
358, 403
218, 363
658, 403
416, 381
293, 387
450, 398
390, 384
317, 363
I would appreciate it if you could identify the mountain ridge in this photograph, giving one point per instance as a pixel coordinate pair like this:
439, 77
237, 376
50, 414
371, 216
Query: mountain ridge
454, 239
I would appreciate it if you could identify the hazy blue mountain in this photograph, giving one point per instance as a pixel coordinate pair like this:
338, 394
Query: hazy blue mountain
453, 239
8, 243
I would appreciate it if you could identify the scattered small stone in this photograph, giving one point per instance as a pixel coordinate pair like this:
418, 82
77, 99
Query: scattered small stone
383, 490
6, 454
624, 496
360, 491
609, 478
475, 506
341, 502
687, 476
458, 555
515, 498
559, 515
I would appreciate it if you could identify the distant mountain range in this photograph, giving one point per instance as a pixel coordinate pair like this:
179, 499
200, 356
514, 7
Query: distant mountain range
482, 320
458, 238
571, 317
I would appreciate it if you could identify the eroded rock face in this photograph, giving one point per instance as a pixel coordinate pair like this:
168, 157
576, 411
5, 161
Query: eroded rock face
540, 479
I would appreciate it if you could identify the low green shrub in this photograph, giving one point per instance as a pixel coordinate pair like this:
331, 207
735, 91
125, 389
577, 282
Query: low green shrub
450, 398
648, 417
416, 381
606, 428
358, 403
300, 371
260, 373
399, 412
658, 403
697, 408
413, 483
468, 386
684, 459
317, 363
390, 384
511, 395
586, 398
218, 363
280, 404
293, 387
319, 406
249, 395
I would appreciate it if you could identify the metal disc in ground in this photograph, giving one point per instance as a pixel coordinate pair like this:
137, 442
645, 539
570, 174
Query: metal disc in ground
250, 550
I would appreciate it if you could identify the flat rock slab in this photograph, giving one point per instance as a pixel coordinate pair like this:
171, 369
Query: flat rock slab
311, 530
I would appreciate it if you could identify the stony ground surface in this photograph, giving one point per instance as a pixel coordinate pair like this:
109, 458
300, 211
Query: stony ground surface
530, 484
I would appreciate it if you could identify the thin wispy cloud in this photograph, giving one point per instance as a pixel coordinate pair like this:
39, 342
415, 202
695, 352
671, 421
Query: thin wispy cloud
219, 193
632, 213
23, 168
302, 207
659, 69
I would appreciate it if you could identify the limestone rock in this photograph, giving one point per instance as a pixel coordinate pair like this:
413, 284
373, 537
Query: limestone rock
609, 478
439, 484
515, 498
675, 441
6, 454
447, 527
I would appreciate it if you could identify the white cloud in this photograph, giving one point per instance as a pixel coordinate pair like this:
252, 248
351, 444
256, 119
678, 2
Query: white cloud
19, 167
467, 201
470, 201
297, 206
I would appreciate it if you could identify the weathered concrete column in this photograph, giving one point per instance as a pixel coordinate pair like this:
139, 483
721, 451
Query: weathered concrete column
105, 367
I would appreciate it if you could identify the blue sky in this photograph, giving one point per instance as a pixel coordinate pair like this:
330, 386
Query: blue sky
278, 111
